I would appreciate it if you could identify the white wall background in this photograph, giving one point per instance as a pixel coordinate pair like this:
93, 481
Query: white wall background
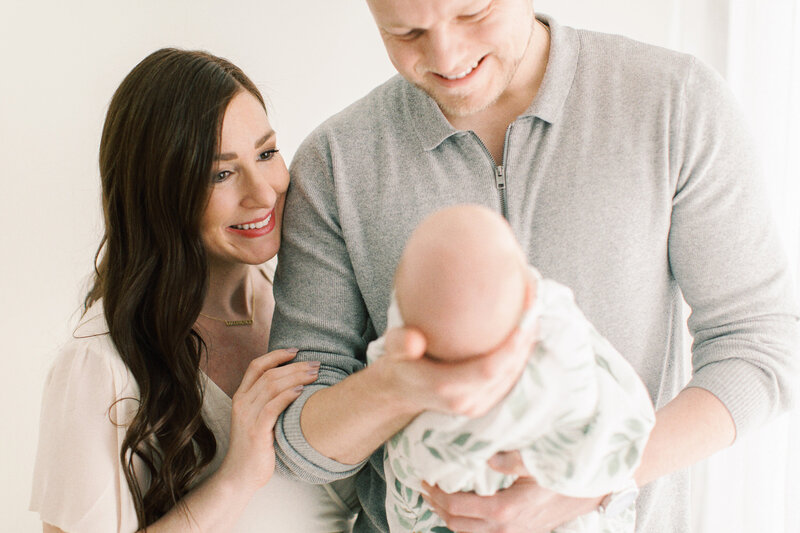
61, 64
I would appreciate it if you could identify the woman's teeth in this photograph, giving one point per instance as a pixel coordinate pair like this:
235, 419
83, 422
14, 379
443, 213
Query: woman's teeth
257, 225
461, 75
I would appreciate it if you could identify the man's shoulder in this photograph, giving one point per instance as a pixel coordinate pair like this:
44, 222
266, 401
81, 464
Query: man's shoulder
617, 45
380, 104
377, 121
611, 53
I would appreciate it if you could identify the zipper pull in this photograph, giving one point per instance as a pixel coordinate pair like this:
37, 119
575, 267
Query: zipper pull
500, 177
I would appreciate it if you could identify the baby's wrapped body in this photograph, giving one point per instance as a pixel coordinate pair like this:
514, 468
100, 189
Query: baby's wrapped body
579, 416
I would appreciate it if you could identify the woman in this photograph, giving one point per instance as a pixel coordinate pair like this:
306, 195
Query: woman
159, 413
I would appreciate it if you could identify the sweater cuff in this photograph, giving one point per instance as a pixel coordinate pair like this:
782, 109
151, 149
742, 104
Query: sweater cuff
296, 457
744, 389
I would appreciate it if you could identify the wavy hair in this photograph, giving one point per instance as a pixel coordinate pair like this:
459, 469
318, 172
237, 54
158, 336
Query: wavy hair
159, 140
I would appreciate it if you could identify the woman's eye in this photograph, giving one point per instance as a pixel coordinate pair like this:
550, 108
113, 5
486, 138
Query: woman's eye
219, 177
268, 154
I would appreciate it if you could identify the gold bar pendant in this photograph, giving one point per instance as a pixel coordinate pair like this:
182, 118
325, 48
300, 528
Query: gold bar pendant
248, 322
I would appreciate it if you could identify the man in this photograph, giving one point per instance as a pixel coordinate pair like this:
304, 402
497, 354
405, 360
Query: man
626, 173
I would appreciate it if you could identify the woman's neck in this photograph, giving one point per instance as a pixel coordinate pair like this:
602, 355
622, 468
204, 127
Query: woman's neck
230, 291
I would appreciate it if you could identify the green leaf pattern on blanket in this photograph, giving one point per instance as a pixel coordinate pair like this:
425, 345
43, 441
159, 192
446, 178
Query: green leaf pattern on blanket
461, 439
409, 498
447, 451
626, 450
554, 455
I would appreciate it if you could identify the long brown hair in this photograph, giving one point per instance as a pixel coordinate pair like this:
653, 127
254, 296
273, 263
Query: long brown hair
160, 136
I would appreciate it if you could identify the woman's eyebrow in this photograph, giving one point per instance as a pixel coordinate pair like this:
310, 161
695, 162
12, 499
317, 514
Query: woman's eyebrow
265, 138
227, 156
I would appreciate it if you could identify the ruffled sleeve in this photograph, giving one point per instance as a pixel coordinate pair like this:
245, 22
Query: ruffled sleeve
78, 482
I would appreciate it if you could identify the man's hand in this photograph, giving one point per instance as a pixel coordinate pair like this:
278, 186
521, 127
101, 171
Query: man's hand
470, 387
524, 507
350, 420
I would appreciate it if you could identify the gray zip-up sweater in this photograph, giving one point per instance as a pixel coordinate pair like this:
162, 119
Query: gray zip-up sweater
631, 179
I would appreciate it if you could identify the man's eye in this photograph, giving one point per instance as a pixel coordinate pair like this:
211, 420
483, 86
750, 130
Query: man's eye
477, 15
408, 36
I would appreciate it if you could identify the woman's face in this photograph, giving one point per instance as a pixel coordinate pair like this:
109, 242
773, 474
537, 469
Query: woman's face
242, 221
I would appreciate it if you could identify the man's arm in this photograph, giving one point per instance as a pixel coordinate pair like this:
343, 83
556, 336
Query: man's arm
349, 412
690, 428
726, 256
318, 306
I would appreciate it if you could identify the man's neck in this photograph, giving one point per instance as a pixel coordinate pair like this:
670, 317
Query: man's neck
491, 123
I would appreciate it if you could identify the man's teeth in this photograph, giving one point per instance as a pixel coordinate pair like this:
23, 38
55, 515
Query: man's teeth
461, 75
257, 225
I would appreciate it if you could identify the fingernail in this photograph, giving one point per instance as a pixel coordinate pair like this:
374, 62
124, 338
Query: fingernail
314, 363
299, 388
292, 350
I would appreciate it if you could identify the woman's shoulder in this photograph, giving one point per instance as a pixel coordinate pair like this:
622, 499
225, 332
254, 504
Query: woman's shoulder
90, 360
87, 399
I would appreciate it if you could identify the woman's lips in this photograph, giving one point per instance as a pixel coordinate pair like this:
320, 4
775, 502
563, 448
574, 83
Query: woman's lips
255, 228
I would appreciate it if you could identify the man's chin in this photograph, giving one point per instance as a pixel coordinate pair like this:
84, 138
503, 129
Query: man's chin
455, 107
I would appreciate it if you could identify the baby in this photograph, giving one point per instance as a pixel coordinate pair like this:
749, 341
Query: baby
579, 415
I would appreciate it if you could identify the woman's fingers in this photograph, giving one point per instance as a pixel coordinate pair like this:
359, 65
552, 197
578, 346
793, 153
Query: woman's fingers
276, 405
261, 364
275, 390
274, 382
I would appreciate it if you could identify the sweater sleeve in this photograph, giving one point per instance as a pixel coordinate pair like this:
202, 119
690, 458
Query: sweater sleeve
725, 253
318, 304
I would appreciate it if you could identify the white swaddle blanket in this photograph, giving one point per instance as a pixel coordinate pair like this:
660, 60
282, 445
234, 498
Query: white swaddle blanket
579, 416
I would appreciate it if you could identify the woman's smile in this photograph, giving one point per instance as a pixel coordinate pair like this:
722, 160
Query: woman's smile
255, 228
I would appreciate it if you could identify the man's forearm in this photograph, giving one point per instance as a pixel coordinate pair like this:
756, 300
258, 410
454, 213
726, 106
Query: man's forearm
350, 420
691, 427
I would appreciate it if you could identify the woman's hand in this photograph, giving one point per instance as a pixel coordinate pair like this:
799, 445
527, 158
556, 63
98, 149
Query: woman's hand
266, 390
522, 507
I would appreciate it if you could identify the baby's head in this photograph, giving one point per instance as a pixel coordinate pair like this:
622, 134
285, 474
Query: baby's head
462, 281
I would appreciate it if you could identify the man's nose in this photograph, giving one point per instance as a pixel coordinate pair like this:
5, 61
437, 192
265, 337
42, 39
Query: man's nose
446, 51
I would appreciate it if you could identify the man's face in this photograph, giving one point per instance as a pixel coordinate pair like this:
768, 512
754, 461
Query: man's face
463, 53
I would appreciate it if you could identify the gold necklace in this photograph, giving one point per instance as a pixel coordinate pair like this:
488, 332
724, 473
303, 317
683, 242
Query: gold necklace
245, 322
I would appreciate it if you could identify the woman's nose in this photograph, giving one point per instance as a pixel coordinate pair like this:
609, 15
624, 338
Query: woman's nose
259, 190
